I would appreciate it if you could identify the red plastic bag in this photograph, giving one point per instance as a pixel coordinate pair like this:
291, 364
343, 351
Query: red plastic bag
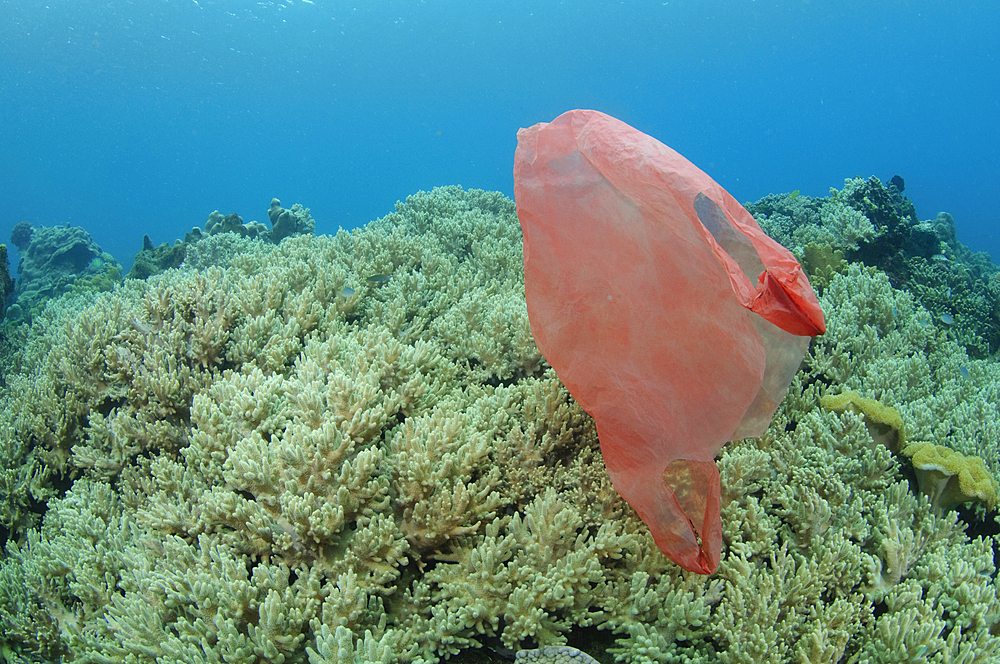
664, 309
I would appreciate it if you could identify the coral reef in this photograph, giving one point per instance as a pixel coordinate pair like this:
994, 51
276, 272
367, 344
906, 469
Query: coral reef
797, 221
6, 283
288, 222
821, 262
20, 235
230, 223
154, 260
949, 478
233, 461
872, 224
58, 260
885, 424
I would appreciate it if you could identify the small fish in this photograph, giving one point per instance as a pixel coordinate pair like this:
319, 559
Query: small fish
964, 371
792, 196
949, 293
947, 319
346, 292
940, 257
377, 278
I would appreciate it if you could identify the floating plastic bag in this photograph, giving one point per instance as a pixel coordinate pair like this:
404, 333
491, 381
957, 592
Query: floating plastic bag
665, 310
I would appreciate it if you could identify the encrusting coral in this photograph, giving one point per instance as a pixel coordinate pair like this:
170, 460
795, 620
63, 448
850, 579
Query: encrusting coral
241, 460
950, 478
884, 423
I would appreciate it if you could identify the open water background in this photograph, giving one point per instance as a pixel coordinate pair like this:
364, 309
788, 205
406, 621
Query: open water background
142, 117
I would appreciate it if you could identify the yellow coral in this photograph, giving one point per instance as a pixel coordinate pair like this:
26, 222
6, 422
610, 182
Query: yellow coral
884, 423
950, 478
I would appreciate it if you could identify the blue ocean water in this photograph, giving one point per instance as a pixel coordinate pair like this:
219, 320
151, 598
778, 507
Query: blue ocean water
142, 117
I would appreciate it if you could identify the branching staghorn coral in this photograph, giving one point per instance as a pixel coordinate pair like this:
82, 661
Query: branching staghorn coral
796, 221
262, 469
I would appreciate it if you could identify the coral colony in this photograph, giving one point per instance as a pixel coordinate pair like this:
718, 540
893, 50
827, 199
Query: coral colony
348, 448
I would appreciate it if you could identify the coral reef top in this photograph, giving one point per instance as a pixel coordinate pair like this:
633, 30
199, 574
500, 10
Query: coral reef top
348, 449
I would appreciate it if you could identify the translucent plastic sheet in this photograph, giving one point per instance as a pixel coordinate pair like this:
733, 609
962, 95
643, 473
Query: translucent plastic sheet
668, 314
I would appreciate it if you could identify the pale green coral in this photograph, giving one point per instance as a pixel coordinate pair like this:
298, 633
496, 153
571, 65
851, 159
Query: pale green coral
797, 221
263, 470
880, 342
